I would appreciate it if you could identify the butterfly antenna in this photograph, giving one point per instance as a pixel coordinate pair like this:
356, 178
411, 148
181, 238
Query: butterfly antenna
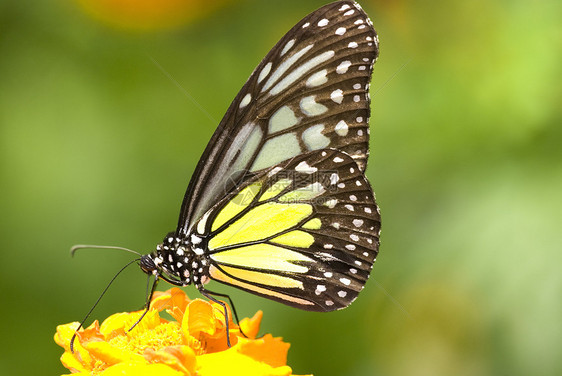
96, 303
86, 246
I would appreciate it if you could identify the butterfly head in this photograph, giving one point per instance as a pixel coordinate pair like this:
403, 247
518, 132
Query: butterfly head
147, 264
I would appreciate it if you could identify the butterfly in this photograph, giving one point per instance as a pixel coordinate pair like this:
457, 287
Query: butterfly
279, 205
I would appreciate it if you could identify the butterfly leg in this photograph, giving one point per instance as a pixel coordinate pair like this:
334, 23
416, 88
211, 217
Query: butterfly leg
232, 306
229, 301
209, 295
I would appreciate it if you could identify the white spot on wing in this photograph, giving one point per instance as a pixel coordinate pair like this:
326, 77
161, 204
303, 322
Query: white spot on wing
343, 67
337, 96
264, 72
246, 100
352, 45
195, 239
314, 139
317, 79
274, 171
202, 223
275, 150
323, 22
296, 74
288, 46
309, 106
341, 31
305, 168
282, 119
284, 66
331, 203
358, 222
342, 128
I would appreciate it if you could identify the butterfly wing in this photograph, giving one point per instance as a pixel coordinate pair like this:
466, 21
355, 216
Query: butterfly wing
309, 93
305, 232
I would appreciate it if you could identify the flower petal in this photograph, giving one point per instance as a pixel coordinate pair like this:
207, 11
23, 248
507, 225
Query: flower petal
125, 369
115, 324
199, 318
70, 362
269, 350
112, 355
63, 337
170, 299
251, 326
180, 358
232, 363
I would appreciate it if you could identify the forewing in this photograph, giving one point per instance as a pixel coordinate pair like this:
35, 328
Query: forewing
305, 232
309, 93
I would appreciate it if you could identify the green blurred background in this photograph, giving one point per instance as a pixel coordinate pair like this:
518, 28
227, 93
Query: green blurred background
98, 145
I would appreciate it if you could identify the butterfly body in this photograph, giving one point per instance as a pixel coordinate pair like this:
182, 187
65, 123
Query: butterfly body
279, 205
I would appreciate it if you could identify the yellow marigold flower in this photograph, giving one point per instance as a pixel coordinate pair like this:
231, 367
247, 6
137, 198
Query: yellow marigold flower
194, 344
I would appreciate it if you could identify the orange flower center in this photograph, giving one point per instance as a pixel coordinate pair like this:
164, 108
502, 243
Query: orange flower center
137, 341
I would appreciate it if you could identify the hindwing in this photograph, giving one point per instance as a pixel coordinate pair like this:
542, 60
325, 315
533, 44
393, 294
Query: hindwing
304, 232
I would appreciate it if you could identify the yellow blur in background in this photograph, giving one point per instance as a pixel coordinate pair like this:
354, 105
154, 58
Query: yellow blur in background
106, 108
150, 15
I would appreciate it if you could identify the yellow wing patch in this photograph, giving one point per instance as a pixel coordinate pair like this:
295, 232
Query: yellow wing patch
263, 278
261, 222
313, 224
276, 189
237, 204
218, 275
263, 256
295, 238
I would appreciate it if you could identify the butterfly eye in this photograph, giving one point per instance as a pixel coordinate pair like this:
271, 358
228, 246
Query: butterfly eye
147, 265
